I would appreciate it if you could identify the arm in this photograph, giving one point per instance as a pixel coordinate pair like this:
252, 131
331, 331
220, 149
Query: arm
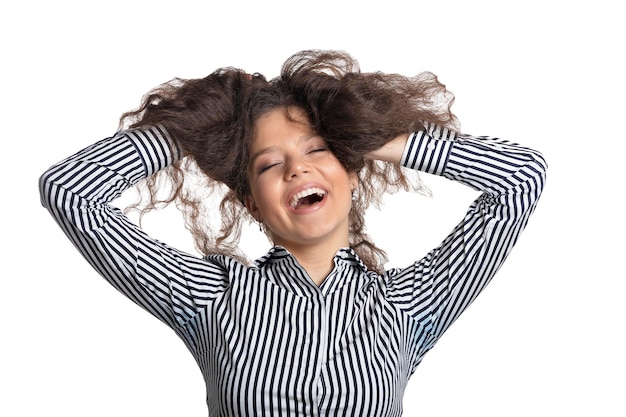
391, 151
77, 192
438, 288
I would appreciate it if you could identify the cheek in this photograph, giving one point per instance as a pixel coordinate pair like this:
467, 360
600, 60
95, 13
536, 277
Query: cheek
265, 194
338, 172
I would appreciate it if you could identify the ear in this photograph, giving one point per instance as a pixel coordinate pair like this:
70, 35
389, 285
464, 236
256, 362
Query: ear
252, 208
354, 180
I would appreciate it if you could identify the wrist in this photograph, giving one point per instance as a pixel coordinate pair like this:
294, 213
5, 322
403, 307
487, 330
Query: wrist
392, 151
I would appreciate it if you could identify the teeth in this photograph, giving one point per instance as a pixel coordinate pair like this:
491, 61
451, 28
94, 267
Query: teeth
305, 193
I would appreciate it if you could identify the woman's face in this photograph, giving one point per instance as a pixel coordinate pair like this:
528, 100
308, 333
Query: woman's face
298, 187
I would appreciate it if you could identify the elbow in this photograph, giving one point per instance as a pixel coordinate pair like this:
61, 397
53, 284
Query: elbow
46, 186
534, 173
540, 169
44, 196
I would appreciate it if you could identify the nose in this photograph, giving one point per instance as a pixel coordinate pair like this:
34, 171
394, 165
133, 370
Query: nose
296, 167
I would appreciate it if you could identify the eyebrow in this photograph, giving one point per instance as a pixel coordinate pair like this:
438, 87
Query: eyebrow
270, 149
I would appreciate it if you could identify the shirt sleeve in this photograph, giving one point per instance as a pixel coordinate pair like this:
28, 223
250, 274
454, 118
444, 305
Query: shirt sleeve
168, 283
435, 290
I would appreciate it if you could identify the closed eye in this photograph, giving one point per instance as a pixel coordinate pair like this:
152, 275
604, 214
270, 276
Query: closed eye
321, 149
266, 167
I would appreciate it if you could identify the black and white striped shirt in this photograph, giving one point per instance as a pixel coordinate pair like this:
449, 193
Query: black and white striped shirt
267, 339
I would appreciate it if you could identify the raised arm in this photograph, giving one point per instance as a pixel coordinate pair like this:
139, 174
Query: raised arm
77, 191
391, 151
438, 288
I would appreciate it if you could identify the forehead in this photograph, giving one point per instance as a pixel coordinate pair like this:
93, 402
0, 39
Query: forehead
281, 125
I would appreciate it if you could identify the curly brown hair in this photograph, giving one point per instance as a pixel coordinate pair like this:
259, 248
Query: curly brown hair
212, 120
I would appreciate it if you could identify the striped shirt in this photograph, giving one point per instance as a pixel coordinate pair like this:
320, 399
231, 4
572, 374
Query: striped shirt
267, 339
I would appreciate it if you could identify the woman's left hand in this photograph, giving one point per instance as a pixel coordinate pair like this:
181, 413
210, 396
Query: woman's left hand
391, 151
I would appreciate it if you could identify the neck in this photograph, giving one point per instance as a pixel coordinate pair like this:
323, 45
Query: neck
318, 261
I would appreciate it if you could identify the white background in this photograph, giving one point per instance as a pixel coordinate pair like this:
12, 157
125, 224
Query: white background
545, 339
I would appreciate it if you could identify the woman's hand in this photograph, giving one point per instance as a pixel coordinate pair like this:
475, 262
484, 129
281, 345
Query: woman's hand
391, 151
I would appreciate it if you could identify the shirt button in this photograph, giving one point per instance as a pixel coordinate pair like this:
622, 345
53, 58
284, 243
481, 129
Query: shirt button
430, 146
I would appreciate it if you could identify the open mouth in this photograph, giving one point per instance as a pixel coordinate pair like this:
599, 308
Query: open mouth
307, 198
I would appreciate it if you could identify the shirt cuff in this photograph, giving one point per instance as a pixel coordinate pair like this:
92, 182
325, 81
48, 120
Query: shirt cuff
154, 147
428, 150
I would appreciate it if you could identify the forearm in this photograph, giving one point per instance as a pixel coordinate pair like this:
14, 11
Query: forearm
392, 151
487, 164
102, 171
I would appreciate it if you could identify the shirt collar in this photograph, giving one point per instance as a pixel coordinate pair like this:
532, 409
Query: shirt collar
279, 253
279, 258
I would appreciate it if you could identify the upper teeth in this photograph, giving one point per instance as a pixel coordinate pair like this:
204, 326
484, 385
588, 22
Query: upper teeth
306, 193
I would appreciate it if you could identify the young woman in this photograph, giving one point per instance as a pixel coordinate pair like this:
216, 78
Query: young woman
317, 326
